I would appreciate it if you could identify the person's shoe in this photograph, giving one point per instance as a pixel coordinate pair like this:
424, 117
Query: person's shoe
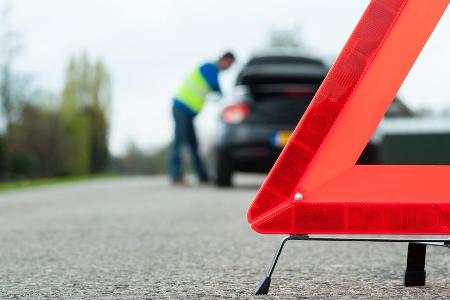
178, 181
204, 182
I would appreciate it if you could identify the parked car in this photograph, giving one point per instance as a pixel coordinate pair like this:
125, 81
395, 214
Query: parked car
272, 92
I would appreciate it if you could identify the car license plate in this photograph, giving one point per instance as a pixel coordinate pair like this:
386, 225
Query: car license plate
281, 138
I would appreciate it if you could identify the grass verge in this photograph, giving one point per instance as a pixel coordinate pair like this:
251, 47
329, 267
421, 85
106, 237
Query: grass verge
33, 183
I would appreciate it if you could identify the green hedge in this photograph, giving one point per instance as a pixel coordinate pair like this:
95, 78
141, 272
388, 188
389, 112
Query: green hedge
23, 166
416, 149
2, 157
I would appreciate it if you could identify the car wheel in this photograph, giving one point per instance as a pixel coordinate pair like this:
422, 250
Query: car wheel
224, 170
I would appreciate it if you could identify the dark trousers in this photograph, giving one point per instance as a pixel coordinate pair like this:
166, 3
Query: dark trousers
185, 134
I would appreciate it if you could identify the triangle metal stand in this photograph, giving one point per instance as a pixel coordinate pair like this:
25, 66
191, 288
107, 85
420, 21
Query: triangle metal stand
415, 274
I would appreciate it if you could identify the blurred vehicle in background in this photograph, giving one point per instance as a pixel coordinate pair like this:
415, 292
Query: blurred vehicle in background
271, 94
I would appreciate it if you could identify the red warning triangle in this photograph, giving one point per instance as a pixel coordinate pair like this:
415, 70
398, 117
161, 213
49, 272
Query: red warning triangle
315, 186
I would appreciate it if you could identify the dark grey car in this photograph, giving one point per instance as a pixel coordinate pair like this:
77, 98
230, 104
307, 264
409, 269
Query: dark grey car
272, 94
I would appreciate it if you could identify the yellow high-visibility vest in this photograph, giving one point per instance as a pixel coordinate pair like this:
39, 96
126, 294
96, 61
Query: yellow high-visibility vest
193, 91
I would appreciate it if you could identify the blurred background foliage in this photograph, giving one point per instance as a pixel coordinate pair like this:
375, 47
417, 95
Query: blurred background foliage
137, 161
46, 134
69, 138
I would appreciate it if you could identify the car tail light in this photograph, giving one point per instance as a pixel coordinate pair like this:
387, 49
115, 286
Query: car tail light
235, 114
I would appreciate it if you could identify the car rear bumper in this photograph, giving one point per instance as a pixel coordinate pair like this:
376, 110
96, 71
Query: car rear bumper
251, 148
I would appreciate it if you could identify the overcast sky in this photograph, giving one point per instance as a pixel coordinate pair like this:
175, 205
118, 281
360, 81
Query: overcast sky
150, 45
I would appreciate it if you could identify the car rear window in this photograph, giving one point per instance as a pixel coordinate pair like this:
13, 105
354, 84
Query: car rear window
282, 69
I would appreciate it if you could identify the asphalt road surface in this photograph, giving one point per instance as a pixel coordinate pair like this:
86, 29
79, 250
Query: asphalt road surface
140, 238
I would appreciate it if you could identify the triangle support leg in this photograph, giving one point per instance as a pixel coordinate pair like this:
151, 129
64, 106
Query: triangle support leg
264, 286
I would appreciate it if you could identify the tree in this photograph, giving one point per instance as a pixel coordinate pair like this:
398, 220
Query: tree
34, 142
98, 113
285, 38
85, 108
13, 86
10, 82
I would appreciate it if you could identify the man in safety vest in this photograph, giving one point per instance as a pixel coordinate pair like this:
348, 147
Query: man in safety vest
188, 102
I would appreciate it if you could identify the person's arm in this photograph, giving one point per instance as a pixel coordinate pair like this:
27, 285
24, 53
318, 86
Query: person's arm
211, 74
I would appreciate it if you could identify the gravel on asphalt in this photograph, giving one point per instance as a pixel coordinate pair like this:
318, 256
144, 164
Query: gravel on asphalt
140, 238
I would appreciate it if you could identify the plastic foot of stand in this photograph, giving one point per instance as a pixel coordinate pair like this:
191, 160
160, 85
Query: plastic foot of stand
263, 288
415, 278
415, 274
